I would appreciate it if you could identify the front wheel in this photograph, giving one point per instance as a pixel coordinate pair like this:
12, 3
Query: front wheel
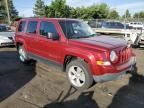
79, 75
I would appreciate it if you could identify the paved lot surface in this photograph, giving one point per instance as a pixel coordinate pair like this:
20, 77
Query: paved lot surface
38, 86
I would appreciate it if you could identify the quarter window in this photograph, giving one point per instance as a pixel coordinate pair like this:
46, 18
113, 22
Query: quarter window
21, 26
32, 26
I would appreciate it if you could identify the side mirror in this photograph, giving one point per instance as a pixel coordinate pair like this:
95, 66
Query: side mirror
49, 35
52, 36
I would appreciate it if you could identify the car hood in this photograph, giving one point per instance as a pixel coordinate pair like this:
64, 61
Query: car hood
7, 34
103, 42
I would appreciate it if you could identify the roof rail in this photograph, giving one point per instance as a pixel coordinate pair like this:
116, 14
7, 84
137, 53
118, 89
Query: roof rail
17, 19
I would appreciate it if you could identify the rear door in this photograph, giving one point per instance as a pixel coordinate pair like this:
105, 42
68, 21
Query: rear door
21, 28
31, 36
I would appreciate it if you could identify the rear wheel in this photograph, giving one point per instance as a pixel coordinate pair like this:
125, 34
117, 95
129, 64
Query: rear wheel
79, 75
23, 55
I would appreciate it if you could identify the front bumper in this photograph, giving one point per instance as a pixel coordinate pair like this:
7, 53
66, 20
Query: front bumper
112, 76
6, 43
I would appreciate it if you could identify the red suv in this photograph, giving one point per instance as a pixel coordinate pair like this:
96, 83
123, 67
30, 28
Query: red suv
73, 46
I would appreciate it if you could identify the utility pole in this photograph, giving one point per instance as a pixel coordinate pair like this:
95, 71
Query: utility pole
7, 9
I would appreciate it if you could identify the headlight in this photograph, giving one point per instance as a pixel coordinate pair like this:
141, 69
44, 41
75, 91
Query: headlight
113, 56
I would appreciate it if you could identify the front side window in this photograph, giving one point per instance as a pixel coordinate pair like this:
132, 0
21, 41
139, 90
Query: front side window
21, 26
32, 26
47, 27
76, 29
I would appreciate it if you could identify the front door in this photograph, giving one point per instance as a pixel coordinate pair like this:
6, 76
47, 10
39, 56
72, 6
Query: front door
49, 48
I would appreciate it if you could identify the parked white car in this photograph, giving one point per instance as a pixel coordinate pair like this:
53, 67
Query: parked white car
6, 38
136, 25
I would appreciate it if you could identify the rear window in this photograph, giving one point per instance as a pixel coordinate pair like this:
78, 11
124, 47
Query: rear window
21, 26
32, 26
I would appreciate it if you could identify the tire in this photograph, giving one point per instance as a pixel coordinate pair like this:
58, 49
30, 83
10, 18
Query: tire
23, 55
136, 46
79, 75
134, 70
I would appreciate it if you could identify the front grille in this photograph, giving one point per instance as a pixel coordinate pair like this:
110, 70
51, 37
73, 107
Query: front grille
7, 44
124, 55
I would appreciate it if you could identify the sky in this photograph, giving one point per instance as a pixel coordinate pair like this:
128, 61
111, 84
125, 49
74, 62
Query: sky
25, 7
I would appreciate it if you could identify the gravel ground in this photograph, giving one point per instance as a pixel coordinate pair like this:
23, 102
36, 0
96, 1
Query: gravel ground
39, 86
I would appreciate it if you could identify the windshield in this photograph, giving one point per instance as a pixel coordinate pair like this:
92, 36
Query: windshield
76, 29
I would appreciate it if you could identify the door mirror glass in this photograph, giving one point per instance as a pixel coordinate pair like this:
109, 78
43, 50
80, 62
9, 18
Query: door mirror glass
52, 36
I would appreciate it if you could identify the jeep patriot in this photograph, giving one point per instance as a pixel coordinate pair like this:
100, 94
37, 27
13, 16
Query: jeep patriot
74, 47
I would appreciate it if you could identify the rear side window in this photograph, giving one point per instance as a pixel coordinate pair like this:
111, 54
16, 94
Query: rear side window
46, 27
21, 26
32, 26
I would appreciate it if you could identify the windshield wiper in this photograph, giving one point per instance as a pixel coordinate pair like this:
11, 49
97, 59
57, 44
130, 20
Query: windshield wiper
92, 35
71, 37
78, 37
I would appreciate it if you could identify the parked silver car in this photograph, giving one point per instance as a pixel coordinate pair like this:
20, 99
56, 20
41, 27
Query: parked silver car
6, 38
